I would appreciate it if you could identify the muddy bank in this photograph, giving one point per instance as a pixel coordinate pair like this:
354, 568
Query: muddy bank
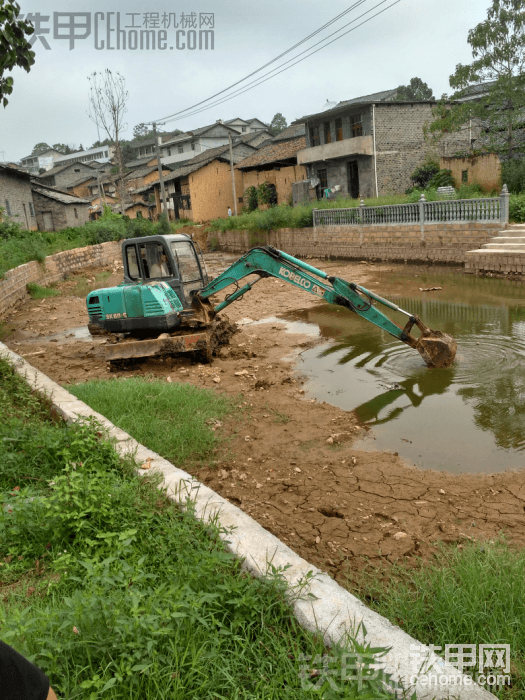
286, 461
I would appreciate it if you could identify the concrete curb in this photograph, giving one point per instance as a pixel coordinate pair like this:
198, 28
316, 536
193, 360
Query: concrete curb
333, 611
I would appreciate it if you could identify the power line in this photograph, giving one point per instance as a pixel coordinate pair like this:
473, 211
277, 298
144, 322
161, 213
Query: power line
317, 31
260, 81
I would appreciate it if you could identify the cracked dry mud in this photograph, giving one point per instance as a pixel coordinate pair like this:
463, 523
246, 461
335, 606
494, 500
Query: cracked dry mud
288, 462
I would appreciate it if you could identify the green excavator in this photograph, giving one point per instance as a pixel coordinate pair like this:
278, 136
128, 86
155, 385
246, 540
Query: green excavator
163, 306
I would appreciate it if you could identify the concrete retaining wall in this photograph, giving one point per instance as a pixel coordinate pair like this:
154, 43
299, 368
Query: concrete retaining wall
55, 268
441, 243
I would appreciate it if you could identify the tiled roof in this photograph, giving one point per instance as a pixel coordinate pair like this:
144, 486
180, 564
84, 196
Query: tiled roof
140, 172
59, 196
85, 178
291, 132
384, 96
15, 171
58, 169
246, 138
274, 153
138, 161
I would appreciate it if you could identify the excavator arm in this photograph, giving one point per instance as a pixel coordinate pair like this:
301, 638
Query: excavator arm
436, 348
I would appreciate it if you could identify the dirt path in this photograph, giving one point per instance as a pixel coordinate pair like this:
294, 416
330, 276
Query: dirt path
289, 462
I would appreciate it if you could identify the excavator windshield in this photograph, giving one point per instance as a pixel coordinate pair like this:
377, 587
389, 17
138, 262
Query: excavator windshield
188, 264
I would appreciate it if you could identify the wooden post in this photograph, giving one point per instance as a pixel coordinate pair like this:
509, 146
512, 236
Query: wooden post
233, 175
161, 177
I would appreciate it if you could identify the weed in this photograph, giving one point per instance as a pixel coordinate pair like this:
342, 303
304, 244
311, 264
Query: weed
38, 292
473, 595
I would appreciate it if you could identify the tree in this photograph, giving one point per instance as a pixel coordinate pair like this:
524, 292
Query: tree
40, 147
64, 148
416, 90
278, 124
15, 49
498, 49
107, 107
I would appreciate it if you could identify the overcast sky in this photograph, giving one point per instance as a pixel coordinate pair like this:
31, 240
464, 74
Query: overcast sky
424, 38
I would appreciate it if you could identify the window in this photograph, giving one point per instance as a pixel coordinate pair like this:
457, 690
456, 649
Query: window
192, 146
314, 136
181, 149
464, 176
77, 170
139, 214
31, 209
327, 133
155, 262
76, 212
169, 151
356, 125
244, 128
8, 208
184, 253
338, 129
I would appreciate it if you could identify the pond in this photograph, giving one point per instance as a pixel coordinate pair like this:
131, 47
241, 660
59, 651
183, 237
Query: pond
467, 418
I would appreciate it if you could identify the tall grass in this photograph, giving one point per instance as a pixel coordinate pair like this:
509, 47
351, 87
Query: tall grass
171, 419
115, 592
473, 595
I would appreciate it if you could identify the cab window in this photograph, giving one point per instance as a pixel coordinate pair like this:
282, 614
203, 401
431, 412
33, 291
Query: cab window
186, 258
155, 262
133, 266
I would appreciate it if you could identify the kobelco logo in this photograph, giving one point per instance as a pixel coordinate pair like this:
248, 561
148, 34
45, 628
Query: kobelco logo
295, 278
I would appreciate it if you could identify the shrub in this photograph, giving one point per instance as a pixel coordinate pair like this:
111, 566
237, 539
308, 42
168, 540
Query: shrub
517, 208
250, 197
425, 172
443, 178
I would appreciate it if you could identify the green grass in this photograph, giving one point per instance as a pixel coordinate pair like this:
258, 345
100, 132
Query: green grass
473, 595
170, 419
115, 592
19, 246
38, 292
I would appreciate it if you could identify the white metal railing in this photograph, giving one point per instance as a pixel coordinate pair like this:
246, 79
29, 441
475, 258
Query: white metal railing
460, 210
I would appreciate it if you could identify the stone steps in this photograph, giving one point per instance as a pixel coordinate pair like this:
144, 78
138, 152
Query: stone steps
502, 255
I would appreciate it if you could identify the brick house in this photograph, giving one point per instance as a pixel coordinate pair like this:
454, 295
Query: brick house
65, 175
276, 164
370, 145
201, 189
16, 197
56, 209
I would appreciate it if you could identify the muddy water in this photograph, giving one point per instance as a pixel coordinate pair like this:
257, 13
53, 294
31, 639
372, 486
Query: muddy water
468, 418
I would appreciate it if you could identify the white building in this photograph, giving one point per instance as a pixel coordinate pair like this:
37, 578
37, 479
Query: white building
44, 159
103, 154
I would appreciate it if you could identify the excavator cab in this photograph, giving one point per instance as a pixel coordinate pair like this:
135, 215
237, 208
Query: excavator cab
175, 259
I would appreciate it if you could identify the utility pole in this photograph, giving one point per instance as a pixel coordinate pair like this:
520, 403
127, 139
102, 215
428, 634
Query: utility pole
161, 177
233, 176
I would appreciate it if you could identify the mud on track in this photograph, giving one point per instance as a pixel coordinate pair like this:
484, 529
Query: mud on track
288, 462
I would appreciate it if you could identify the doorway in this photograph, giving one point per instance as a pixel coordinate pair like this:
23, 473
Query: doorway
353, 179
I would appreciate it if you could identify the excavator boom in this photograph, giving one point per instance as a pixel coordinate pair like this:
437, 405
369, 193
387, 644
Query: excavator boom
436, 348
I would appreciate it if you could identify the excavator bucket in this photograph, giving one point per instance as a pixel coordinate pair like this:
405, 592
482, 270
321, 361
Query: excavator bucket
436, 348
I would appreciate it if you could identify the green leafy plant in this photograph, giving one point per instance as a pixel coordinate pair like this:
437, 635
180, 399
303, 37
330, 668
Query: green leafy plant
250, 197
443, 178
38, 292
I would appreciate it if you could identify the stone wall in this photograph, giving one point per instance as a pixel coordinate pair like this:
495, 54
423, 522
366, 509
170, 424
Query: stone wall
17, 191
63, 215
55, 268
440, 243
495, 265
